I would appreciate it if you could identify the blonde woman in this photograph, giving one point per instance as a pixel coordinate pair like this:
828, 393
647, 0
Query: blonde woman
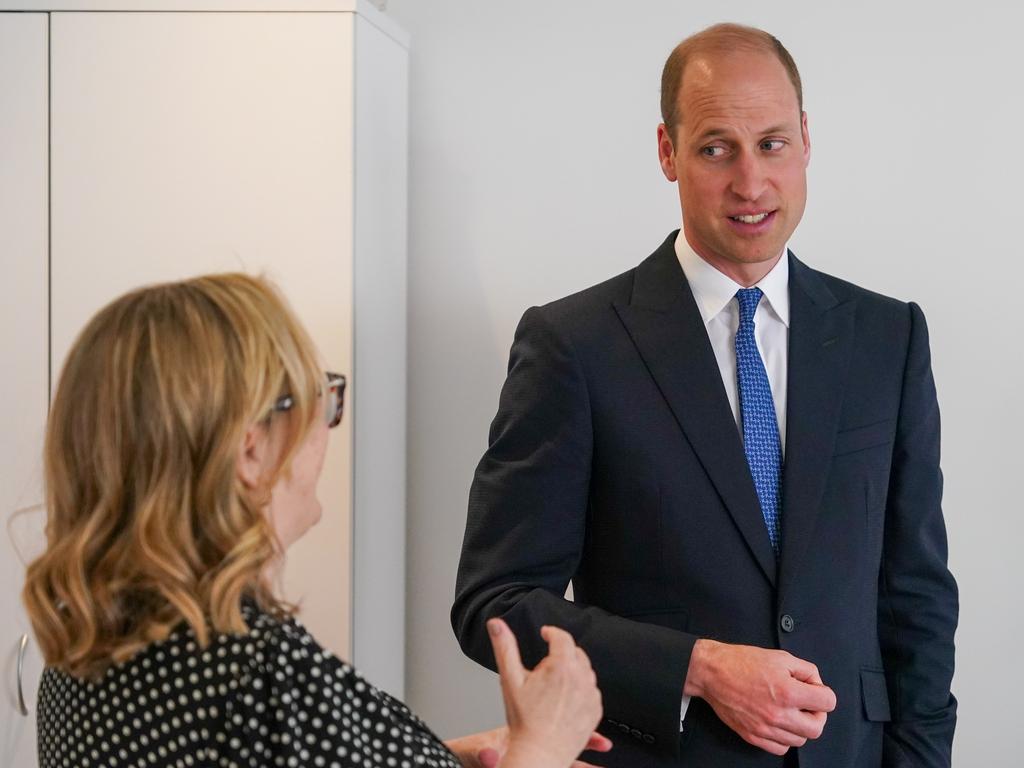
183, 448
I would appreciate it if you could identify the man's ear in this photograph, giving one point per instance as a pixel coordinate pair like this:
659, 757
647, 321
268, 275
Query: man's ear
666, 154
252, 455
805, 134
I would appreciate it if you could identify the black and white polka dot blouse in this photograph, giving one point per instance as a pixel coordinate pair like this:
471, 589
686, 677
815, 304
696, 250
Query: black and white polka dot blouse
272, 697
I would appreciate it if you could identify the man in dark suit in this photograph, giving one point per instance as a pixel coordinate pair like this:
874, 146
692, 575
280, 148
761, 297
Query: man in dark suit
735, 460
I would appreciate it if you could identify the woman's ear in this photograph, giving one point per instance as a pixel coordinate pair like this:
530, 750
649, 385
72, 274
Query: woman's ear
252, 456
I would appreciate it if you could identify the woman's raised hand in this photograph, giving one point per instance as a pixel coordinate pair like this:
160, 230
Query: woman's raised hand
553, 709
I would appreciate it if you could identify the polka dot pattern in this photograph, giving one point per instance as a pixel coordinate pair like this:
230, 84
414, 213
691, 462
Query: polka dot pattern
760, 427
270, 697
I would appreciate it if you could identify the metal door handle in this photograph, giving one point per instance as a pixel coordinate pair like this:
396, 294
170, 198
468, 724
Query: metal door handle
21, 667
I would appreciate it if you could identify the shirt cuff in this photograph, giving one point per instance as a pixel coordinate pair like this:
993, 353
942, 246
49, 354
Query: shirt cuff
682, 711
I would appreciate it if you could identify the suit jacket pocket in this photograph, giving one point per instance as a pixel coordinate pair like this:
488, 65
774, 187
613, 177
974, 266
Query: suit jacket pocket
862, 438
876, 695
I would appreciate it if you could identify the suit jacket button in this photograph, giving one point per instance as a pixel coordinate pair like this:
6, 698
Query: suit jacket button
623, 727
636, 734
648, 739
787, 623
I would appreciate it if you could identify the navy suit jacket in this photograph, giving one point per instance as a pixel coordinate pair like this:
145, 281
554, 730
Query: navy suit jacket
615, 462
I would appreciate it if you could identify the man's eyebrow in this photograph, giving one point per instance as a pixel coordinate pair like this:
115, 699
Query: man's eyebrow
780, 128
714, 133
721, 133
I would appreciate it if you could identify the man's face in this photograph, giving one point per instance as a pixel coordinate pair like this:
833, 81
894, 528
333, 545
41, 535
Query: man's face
740, 156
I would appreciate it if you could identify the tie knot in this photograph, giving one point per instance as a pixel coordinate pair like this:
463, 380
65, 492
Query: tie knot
748, 299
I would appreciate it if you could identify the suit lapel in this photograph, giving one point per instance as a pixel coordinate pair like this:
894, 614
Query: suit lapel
820, 342
665, 325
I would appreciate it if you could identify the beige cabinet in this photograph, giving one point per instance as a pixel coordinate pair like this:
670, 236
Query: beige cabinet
156, 141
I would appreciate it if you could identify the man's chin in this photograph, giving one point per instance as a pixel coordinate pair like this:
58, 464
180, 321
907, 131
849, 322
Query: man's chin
743, 253
762, 257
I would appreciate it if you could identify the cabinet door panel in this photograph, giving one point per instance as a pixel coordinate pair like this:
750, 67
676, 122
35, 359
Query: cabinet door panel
185, 143
23, 350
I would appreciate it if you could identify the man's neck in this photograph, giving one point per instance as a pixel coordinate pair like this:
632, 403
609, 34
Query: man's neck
742, 273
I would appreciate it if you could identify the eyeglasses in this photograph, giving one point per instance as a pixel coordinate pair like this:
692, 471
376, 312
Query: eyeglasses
334, 400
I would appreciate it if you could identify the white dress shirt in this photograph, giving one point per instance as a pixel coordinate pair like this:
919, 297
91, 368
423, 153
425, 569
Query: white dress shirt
715, 294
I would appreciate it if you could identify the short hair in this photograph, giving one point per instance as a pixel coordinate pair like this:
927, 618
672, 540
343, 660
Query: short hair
148, 524
719, 38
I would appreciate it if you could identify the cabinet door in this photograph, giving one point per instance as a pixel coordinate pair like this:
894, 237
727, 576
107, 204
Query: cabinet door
23, 350
185, 143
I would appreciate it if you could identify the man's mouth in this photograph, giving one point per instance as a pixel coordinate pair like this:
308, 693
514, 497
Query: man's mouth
752, 218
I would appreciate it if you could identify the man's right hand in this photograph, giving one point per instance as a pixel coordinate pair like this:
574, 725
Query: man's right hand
772, 699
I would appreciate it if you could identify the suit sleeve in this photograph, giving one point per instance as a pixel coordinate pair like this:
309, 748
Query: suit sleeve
918, 603
525, 537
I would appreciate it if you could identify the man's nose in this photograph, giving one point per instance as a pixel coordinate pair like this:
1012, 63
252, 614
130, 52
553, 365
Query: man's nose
749, 178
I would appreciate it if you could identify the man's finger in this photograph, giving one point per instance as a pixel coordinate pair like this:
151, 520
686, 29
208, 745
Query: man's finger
769, 746
805, 671
786, 737
813, 697
806, 724
559, 641
506, 653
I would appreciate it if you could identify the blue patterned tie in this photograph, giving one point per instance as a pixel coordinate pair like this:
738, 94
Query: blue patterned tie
760, 429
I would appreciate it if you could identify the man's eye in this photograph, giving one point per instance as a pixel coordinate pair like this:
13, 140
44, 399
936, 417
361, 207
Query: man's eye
712, 151
772, 145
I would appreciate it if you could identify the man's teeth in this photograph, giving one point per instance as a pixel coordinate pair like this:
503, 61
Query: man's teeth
756, 218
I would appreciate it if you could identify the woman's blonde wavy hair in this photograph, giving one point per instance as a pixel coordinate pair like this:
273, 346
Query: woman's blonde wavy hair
148, 524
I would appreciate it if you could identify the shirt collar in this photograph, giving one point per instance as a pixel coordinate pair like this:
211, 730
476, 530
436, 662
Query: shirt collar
713, 290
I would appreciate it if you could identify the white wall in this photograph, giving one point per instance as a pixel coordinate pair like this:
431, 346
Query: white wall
534, 174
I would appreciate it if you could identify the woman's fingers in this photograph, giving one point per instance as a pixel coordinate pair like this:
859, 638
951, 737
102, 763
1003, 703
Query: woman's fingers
488, 757
556, 707
560, 642
599, 742
506, 654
